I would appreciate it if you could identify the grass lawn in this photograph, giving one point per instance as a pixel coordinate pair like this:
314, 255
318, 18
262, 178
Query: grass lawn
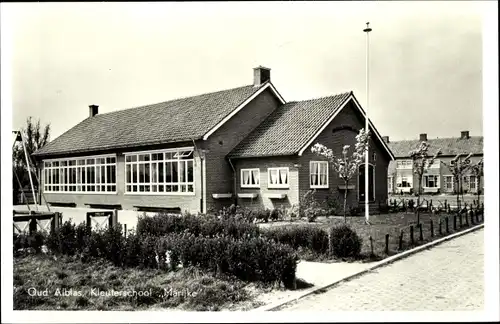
80, 286
380, 225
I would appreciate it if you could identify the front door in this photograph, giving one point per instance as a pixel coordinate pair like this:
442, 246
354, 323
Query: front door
361, 183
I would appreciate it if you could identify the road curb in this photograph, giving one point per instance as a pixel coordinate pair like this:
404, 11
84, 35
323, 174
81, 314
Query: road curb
379, 264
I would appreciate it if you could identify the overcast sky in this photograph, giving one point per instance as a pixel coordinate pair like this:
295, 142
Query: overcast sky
425, 58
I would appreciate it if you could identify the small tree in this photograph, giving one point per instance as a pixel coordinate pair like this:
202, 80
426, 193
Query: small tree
421, 162
458, 167
477, 171
348, 165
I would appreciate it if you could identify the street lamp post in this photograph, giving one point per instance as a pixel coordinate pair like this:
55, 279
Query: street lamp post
367, 30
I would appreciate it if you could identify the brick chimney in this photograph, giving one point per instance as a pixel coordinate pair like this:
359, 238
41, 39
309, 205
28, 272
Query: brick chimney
93, 110
464, 135
386, 139
423, 137
261, 75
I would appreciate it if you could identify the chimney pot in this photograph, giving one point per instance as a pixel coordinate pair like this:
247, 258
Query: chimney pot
386, 139
261, 75
423, 137
93, 110
464, 134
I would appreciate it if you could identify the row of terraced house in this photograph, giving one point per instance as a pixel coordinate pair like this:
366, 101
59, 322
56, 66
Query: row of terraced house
402, 179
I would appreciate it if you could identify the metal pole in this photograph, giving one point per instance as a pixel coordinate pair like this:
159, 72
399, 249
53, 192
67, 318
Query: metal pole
367, 30
28, 165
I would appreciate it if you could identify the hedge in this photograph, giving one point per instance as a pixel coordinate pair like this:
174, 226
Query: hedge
297, 236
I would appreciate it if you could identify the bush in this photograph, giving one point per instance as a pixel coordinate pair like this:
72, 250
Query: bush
310, 208
309, 237
204, 225
63, 240
32, 242
252, 259
345, 242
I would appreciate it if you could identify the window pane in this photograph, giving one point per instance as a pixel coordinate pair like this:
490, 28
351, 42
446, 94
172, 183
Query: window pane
182, 174
134, 173
161, 178
175, 178
103, 174
154, 173
190, 171
112, 174
273, 176
245, 177
283, 176
168, 166
146, 173
190, 188
128, 172
255, 177
98, 174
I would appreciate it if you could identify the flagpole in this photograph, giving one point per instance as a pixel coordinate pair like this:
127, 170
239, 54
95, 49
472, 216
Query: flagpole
367, 30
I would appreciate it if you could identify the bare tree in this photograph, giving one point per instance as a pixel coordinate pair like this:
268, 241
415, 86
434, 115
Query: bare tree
421, 162
346, 166
458, 167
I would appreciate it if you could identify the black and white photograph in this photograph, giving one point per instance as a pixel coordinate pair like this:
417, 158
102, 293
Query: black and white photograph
250, 161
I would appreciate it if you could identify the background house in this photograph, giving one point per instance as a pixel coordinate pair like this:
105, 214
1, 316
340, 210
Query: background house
208, 151
438, 178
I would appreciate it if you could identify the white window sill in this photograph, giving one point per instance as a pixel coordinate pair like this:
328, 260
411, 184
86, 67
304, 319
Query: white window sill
319, 187
278, 187
248, 195
81, 192
276, 196
222, 195
159, 194
250, 186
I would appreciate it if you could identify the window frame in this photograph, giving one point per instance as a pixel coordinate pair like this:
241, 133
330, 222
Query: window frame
135, 167
319, 186
436, 181
452, 181
278, 186
63, 178
242, 185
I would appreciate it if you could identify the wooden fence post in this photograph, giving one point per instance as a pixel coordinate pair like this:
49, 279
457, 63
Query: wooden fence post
421, 233
432, 228
386, 243
125, 230
371, 246
477, 216
400, 247
466, 219
411, 235
454, 222
460, 219
447, 227
445, 204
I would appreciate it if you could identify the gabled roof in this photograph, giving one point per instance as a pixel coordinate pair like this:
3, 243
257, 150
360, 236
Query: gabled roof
449, 146
291, 128
171, 121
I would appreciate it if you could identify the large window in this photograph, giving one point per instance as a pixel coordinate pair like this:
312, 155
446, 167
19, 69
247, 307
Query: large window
277, 178
472, 183
431, 181
449, 183
318, 171
404, 182
250, 178
160, 172
81, 175
404, 164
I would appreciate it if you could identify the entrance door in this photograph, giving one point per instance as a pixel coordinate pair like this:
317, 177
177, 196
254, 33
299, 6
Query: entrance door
371, 183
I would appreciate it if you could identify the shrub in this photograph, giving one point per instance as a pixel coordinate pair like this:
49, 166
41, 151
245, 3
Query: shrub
32, 242
344, 241
250, 259
310, 207
205, 225
310, 237
63, 240
355, 211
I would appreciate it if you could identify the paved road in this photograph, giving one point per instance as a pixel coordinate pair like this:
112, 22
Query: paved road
444, 278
